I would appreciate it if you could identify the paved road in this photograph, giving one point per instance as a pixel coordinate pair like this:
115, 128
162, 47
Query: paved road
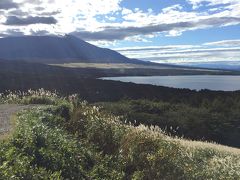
6, 111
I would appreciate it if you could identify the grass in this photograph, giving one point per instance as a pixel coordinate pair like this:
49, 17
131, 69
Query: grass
105, 66
128, 66
215, 120
210, 145
73, 140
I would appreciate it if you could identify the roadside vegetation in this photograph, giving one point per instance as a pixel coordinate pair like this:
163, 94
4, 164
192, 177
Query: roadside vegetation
216, 120
65, 138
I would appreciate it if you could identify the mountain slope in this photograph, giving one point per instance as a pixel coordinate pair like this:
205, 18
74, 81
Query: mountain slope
56, 49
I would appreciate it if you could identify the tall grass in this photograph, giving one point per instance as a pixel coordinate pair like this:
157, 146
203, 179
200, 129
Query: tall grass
73, 140
148, 153
39, 96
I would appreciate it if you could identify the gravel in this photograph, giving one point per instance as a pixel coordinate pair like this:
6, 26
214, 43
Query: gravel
6, 111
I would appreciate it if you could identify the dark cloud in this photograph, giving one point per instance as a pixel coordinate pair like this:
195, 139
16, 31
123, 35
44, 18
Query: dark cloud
16, 12
40, 33
7, 4
121, 33
37, 2
50, 13
40, 10
12, 32
20, 13
14, 20
3, 35
17, 32
110, 34
33, 1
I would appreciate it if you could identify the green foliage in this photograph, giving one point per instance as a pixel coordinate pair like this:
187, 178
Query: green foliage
151, 155
216, 120
103, 130
40, 142
143, 153
73, 140
42, 147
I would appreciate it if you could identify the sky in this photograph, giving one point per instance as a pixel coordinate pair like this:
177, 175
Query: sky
163, 31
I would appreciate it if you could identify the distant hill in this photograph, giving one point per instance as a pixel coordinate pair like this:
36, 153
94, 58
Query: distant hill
226, 65
57, 49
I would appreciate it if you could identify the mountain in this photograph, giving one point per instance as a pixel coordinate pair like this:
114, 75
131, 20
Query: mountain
225, 65
57, 49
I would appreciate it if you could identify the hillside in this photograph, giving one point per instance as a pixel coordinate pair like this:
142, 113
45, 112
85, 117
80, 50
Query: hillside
216, 119
69, 139
56, 49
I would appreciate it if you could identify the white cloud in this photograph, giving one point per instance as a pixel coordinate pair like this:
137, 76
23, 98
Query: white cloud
81, 17
172, 8
126, 11
225, 43
174, 33
186, 53
143, 48
198, 3
71, 15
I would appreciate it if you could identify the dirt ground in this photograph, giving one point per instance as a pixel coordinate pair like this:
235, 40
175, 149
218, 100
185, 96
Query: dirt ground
6, 111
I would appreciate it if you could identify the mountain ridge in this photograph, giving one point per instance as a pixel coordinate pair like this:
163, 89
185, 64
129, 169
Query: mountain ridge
57, 49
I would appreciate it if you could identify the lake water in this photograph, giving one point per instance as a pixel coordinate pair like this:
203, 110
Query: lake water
223, 83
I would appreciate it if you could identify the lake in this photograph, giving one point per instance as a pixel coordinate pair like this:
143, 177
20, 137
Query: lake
196, 82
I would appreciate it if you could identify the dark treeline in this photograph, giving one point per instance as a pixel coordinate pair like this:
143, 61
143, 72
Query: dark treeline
23, 76
95, 90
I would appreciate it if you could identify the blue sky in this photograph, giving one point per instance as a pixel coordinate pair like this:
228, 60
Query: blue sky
164, 31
